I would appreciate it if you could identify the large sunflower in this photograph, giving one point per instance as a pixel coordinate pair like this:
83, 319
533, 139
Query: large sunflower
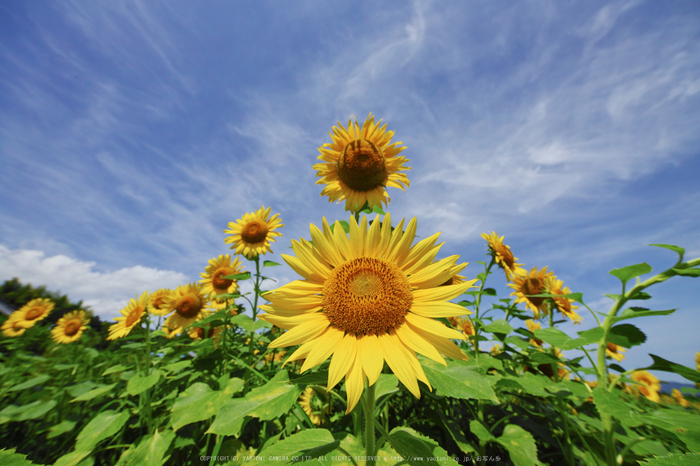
502, 255
70, 327
251, 235
186, 302
12, 327
157, 300
367, 299
34, 311
530, 284
360, 163
131, 317
213, 281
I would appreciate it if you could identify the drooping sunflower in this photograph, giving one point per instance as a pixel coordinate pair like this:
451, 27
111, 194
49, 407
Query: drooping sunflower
12, 327
503, 256
131, 317
615, 352
649, 385
213, 281
532, 326
70, 327
157, 300
186, 302
564, 305
360, 163
251, 235
533, 283
315, 405
34, 311
367, 299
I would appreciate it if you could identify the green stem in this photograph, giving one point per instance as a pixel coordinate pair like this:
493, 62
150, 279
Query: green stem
477, 304
369, 423
257, 286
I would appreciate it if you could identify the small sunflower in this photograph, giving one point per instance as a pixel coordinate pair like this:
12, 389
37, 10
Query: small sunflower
157, 300
131, 317
202, 333
615, 352
532, 326
213, 281
34, 311
170, 329
315, 405
70, 327
359, 164
251, 235
649, 385
678, 396
186, 302
503, 257
12, 327
367, 299
527, 285
496, 350
464, 324
556, 287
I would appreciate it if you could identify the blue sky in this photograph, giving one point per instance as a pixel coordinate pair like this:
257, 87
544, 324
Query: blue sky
132, 132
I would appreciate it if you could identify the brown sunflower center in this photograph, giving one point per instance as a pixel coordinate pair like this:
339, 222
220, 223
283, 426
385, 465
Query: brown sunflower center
188, 306
533, 286
362, 166
366, 296
134, 316
254, 232
34, 313
72, 328
218, 281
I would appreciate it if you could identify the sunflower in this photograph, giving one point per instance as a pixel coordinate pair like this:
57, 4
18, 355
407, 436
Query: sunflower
530, 284
315, 405
157, 300
132, 314
367, 299
70, 327
465, 324
359, 164
12, 327
649, 385
202, 333
251, 235
496, 350
170, 329
213, 281
532, 326
34, 311
615, 351
678, 396
187, 301
556, 287
503, 257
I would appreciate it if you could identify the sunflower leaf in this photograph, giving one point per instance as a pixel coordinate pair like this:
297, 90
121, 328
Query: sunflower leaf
94, 393
459, 381
559, 339
199, 402
238, 276
102, 426
626, 335
270, 264
140, 383
688, 272
30, 383
150, 451
310, 442
682, 424
609, 402
625, 274
498, 326
680, 251
520, 444
634, 312
417, 449
661, 364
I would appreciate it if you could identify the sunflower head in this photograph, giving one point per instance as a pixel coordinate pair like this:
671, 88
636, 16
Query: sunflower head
532, 326
648, 385
502, 255
564, 305
213, 281
680, 399
366, 299
251, 235
202, 333
34, 311
360, 163
157, 300
315, 405
464, 324
70, 327
186, 302
534, 283
615, 351
13, 326
170, 329
131, 317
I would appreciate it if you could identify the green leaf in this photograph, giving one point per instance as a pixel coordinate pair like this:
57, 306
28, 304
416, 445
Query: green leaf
32, 410
249, 324
559, 339
417, 449
661, 364
10, 458
459, 381
30, 383
310, 442
675, 459
499, 326
270, 264
140, 383
592, 335
626, 335
113, 369
94, 393
198, 402
481, 432
683, 424
608, 402
102, 426
150, 451
270, 401
79, 389
59, 429
238, 276
688, 272
387, 383
177, 366
634, 312
520, 445
631, 271
455, 431
679, 250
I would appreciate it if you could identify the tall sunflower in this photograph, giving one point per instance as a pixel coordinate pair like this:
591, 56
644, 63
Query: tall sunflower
186, 302
70, 327
34, 311
564, 305
503, 256
367, 299
251, 235
360, 163
157, 300
12, 327
213, 281
533, 283
131, 317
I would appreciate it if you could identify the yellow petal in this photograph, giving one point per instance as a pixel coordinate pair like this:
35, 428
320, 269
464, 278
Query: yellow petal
436, 309
327, 343
413, 341
441, 293
342, 360
371, 355
433, 326
354, 385
302, 333
396, 355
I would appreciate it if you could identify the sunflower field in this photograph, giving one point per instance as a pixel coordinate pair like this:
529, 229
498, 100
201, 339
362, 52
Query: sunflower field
373, 355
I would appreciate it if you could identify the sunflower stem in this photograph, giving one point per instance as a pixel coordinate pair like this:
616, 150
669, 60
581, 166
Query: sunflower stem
369, 423
257, 286
477, 304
